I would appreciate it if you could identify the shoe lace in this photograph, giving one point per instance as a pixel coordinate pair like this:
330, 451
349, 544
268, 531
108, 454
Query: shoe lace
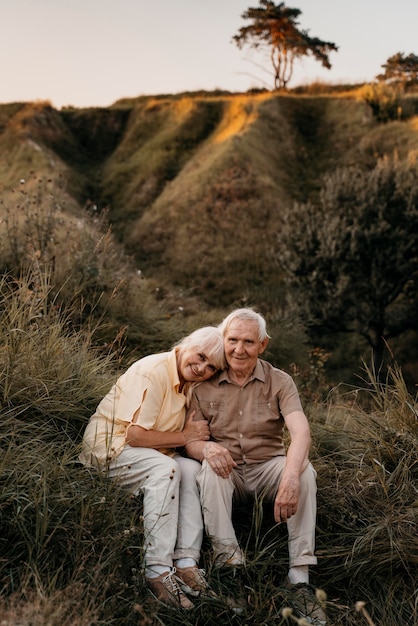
201, 576
171, 584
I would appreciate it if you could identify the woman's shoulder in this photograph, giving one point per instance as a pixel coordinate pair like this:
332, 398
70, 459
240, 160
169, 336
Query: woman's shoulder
150, 366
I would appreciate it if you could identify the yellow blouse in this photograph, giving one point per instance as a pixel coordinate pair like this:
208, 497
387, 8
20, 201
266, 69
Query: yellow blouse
147, 394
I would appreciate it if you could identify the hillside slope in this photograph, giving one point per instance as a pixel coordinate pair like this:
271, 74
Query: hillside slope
201, 203
195, 185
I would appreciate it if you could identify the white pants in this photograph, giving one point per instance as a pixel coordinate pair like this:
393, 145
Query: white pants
261, 481
173, 525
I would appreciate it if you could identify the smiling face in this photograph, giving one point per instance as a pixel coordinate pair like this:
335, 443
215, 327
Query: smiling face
194, 365
243, 346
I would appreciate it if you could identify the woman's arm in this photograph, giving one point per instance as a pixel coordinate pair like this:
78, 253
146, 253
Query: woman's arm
137, 436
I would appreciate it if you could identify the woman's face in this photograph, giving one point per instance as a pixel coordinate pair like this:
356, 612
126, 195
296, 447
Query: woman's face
194, 365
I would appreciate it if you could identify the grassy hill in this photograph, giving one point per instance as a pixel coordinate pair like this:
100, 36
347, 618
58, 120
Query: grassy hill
194, 186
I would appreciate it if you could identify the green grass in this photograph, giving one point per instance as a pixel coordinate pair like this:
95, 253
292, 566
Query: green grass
71, 540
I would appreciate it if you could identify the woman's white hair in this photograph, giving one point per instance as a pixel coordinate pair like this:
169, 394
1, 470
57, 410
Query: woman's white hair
247, 315
208, 340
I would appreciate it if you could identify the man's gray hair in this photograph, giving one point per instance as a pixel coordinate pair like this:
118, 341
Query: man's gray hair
246, 314
208, 340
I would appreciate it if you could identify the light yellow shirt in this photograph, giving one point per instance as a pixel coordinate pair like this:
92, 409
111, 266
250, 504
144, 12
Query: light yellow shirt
150, 386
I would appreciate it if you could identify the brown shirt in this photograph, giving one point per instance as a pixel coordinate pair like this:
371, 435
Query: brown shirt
248, 420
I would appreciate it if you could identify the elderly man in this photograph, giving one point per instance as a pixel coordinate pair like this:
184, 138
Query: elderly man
247, 406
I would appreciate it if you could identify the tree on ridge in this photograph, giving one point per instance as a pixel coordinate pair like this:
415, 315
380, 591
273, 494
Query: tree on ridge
400, 68
276, 27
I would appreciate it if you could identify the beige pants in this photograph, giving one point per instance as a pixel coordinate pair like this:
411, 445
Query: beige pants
261, 481
173, 524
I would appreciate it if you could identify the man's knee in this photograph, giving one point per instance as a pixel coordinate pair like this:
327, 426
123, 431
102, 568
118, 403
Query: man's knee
308, 479
208, 478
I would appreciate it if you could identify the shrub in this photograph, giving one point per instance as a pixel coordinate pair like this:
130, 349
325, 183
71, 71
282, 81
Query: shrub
384, 101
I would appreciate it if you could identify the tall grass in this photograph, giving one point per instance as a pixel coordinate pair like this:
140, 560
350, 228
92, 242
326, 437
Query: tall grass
83, 264
366, 451
51, 380
71, 540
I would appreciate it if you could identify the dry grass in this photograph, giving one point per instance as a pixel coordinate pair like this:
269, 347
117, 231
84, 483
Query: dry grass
71, 541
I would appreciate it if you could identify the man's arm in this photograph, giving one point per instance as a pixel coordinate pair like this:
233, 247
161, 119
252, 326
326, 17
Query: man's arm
287, 498
216, 455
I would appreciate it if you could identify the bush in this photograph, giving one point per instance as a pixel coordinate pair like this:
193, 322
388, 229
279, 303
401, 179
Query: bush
384, 101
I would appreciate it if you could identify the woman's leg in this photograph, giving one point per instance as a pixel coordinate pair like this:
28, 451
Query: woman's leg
157, 477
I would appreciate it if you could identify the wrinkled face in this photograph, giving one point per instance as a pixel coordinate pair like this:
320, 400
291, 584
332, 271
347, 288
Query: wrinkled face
242, 345
195, 366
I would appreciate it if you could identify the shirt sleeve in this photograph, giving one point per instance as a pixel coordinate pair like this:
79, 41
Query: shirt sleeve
195, 406
152, 404
135, 391
289, 400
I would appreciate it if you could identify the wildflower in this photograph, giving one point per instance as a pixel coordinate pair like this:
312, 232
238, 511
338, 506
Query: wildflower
287, 612
321, 595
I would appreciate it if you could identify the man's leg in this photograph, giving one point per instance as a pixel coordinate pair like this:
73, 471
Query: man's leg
216, 495
263, 480
301, 526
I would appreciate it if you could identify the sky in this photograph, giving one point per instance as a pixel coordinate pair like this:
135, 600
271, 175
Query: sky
88, 53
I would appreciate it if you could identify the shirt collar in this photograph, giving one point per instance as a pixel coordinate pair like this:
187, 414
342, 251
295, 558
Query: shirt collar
258, 373
172, 369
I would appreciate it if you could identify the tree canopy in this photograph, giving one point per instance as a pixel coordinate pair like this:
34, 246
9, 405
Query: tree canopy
276, 27
400, 68
352, 259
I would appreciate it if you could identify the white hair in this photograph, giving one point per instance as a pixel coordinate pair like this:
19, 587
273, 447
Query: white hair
208, 340
248, 315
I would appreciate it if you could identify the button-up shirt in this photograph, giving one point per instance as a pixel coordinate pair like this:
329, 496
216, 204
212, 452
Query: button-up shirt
147, 394
249, 419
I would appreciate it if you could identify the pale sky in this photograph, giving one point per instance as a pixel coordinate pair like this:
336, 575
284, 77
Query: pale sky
94, 52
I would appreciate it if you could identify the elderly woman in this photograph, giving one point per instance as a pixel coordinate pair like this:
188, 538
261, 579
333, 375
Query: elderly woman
134, 437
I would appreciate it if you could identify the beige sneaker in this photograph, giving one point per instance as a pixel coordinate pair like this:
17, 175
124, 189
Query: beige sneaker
306, 603
166, 589
193, 582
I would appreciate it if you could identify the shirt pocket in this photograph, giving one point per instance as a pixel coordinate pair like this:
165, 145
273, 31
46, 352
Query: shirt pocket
214, 411
268, 419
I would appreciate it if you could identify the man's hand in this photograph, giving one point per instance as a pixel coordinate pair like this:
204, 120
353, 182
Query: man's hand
286, 501
219, 459
195, 431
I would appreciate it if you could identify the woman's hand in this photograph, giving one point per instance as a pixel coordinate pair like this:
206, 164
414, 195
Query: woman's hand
195, 431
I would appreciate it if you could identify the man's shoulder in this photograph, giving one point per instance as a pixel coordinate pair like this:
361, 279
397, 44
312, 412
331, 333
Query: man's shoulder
272, 370
209, 386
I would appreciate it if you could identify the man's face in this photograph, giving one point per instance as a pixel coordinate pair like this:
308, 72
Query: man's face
242, 345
